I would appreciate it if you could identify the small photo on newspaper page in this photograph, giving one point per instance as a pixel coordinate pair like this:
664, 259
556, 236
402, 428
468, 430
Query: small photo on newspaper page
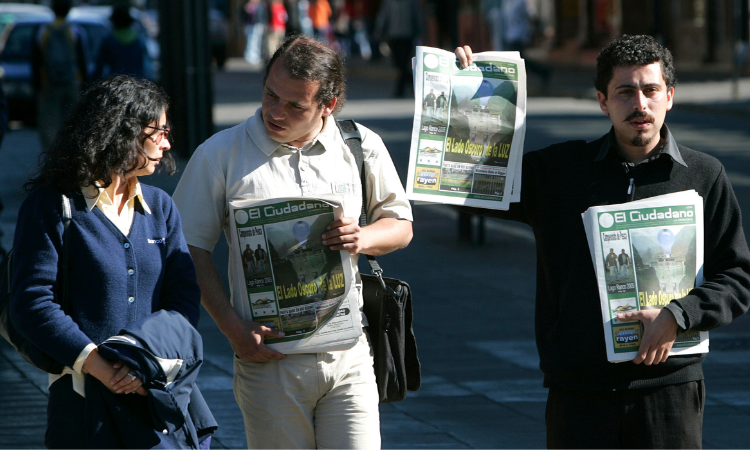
648, 253
469, 128
284, 276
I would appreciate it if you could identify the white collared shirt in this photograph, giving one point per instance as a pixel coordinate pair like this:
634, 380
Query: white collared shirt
98, 197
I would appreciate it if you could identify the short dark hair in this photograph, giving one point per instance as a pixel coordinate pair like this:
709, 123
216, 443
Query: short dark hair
61, 8
104, 134
121, 17
306, 58
628, 50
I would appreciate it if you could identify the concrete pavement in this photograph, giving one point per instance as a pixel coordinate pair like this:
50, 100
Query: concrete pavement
481, 385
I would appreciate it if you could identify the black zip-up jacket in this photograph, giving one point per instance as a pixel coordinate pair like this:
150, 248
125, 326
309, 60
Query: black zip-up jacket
562, 181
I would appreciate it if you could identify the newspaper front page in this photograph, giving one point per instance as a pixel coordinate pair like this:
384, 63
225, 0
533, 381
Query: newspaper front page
646, 254
285, 278
469, 128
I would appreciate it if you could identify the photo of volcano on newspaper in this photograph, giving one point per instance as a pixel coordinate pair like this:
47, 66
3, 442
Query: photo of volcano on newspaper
301, 263
665, 263
483, 118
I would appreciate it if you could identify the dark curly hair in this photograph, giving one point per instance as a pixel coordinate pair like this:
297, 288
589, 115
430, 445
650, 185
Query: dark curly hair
628, 50
104, 135
306, 58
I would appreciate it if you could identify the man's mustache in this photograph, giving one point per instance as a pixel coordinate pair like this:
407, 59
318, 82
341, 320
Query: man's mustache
637, 114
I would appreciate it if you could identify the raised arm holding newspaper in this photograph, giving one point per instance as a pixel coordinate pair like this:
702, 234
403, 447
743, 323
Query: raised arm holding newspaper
654, 401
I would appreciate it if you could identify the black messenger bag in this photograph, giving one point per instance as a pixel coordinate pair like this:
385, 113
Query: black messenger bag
387, 307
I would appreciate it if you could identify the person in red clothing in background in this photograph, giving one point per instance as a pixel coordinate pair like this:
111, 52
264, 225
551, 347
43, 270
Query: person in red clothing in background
276, 25
320, 14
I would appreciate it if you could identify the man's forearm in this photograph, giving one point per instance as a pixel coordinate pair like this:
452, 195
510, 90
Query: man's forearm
213, 295
386, 235
245, 337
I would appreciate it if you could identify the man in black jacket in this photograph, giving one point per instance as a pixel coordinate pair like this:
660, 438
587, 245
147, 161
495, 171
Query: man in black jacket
654, 401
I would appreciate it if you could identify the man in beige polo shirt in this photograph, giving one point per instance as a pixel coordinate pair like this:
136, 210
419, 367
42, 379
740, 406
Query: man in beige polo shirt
291, 147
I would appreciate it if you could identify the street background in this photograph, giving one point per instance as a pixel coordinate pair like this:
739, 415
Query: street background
473, 302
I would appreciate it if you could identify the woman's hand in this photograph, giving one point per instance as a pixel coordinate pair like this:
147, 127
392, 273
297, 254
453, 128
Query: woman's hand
125, 382
115, 376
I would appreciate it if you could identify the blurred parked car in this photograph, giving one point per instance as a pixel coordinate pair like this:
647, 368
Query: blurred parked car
10, 12
17, 40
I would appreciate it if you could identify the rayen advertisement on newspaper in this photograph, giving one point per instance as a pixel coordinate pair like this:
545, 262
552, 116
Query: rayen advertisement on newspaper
469, 127
646, 254
285, 278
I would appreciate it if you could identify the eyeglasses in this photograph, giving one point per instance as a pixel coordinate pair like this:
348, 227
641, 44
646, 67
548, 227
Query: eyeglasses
161, 133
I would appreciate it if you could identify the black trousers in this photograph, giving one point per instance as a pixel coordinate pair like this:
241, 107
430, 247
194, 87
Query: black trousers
402, 50
660, 417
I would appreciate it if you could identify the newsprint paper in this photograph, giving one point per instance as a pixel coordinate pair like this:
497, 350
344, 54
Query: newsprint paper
646, 254
285, 278
469, 128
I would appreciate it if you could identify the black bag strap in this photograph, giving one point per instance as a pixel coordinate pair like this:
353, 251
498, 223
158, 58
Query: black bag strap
353, 139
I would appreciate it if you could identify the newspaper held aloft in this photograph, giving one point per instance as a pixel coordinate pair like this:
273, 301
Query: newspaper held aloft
285, 278
646, 253
469, 128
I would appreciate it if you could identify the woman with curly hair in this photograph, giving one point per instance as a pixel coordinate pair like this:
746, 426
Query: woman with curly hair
128, 258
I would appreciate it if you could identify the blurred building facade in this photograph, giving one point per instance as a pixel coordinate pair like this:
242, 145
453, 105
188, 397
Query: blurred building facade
710, 33
700, 33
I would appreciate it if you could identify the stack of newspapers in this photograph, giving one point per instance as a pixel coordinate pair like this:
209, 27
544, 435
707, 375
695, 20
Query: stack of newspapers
646, 253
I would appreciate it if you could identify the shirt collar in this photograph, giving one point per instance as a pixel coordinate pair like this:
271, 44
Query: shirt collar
669, 147
257, 131
94, 193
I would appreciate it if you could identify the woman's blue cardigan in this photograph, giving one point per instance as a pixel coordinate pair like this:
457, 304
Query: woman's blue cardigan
114, 279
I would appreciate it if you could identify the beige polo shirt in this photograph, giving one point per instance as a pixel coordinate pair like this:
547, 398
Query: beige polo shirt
243, 163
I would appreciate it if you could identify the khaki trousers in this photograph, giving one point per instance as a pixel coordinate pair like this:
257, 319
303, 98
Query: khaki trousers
320, 400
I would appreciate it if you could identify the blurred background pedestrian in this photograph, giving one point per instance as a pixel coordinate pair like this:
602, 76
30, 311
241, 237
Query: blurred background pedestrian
59, 68
320, 15
492, 10
293, 24
400, 24
517, 33
123, 51
276, 26
255, 13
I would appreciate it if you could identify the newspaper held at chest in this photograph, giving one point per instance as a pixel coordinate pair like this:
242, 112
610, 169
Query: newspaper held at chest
646, 253
285, 278
469, 129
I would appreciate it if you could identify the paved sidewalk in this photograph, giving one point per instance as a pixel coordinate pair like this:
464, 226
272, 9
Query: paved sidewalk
481, 386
